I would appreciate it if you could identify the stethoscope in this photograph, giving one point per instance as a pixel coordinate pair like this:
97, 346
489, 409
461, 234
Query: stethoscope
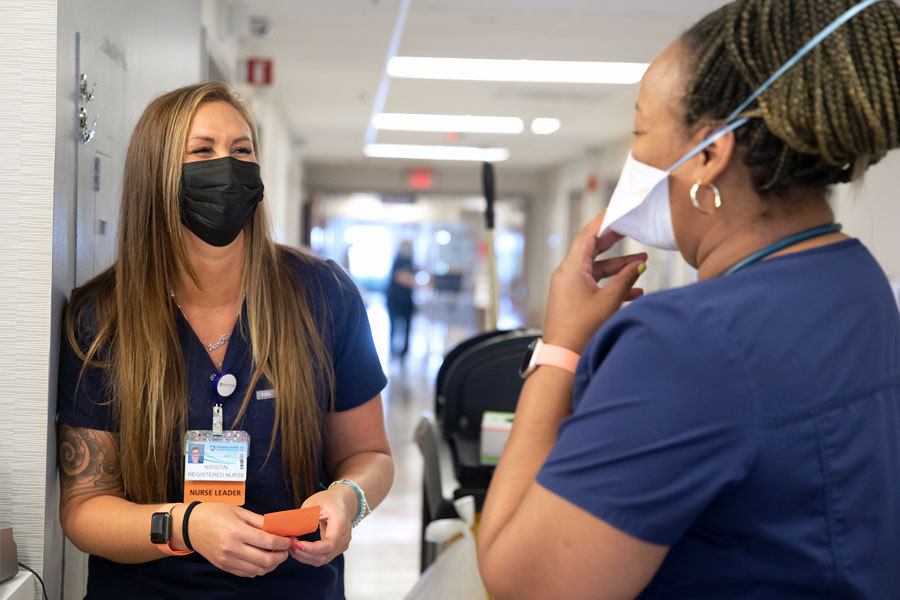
788, 241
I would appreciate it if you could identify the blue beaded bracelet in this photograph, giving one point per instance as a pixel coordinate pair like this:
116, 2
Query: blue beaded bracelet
360, 497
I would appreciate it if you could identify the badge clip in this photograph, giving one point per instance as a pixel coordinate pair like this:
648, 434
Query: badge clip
217, 421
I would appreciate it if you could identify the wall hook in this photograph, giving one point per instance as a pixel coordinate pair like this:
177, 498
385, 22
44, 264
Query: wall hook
86, 135
86, 96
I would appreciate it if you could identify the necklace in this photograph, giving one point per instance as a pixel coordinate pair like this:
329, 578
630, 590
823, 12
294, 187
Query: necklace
222, 339
209, 347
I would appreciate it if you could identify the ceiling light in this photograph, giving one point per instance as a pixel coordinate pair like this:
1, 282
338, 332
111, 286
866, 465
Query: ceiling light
482, 69
544, 125
436, 152
456, 123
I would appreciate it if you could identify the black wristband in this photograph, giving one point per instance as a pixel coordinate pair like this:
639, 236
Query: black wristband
184, 524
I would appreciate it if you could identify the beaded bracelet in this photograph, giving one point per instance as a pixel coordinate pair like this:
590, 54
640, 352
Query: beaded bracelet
360, 496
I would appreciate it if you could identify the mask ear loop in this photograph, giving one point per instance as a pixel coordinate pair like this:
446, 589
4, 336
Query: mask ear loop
717, 202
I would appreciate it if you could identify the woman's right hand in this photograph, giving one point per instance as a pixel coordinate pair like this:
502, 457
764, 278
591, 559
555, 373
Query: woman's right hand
231, 538
576, 307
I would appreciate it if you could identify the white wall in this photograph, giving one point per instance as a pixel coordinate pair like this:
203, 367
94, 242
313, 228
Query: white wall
280, 167
870, 211
226, 26
28, 119
221, 19
550, 214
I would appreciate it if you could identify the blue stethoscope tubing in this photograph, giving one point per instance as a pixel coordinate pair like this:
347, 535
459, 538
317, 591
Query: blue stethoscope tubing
780, 245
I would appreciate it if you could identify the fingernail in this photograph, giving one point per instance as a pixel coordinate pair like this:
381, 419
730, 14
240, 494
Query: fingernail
298, 546
641, 268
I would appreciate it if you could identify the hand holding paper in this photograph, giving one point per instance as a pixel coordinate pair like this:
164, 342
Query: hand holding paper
292, 523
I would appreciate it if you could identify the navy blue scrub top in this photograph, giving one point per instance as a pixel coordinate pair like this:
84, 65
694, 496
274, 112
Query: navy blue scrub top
752, 424
358, 378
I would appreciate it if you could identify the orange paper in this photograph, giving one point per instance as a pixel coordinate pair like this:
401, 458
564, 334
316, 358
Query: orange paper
298, 521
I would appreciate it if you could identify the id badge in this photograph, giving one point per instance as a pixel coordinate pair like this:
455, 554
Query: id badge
215, 466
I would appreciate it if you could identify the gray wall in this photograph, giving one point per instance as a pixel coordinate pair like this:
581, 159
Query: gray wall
160, 45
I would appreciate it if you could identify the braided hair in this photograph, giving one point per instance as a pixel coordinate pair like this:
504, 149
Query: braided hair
829, 117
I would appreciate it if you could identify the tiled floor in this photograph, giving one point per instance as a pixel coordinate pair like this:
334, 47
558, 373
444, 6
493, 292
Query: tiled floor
383, 560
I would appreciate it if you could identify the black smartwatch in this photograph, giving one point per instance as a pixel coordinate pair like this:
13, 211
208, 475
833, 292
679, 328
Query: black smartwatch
161, 530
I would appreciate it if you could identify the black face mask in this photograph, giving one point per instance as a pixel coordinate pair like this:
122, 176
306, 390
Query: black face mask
218, 197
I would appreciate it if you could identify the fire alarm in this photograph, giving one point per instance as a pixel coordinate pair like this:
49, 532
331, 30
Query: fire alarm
259, 71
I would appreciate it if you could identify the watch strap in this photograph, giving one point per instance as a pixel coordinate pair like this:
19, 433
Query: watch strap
167, 548
556, 356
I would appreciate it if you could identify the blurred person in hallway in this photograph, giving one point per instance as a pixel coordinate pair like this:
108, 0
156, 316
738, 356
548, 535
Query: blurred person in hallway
400, 299
204, 322
738, 437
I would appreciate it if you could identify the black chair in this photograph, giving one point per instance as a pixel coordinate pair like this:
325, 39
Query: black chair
481, 373
483, 376
449, 360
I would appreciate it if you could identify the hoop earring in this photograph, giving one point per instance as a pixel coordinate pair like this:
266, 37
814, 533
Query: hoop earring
717, 202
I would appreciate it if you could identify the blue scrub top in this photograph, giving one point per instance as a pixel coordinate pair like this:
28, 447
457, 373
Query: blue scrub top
358, 378
752, 424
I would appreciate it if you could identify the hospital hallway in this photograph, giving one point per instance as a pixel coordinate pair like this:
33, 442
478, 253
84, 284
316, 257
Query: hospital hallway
192, 186
383, 560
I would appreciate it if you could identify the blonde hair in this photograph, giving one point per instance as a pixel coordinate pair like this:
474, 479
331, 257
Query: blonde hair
132, 334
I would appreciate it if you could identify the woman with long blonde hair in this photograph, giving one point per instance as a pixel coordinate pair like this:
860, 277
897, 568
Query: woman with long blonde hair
204, 330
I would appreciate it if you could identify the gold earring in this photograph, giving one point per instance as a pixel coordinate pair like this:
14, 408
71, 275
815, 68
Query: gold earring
717, 202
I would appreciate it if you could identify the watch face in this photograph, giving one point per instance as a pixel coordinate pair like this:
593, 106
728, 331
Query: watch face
528, 361
160, 528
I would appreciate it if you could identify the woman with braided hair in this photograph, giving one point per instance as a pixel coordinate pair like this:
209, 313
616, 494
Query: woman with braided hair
738, 437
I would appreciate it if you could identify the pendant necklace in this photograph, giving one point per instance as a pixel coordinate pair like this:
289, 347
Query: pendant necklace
209, 347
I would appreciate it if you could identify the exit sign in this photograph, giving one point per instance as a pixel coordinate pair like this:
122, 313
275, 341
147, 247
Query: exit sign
419, 178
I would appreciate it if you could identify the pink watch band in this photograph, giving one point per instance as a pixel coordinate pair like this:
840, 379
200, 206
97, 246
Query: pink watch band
557, 356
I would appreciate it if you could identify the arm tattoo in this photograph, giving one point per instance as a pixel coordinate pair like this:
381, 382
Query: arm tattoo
88, 464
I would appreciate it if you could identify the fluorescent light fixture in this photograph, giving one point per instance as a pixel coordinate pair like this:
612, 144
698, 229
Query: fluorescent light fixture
417, 152
455, 123
486, 69
544, 125
442, 237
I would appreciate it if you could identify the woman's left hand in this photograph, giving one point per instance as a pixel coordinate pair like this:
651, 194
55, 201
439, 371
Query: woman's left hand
338, 507
576, 307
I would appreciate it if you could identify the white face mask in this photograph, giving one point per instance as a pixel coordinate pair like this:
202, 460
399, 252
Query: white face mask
639, 207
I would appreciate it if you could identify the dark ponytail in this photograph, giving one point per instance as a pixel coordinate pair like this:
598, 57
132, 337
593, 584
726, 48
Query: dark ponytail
829, 117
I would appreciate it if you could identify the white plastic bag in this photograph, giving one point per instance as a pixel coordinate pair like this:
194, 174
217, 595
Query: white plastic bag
454, 574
